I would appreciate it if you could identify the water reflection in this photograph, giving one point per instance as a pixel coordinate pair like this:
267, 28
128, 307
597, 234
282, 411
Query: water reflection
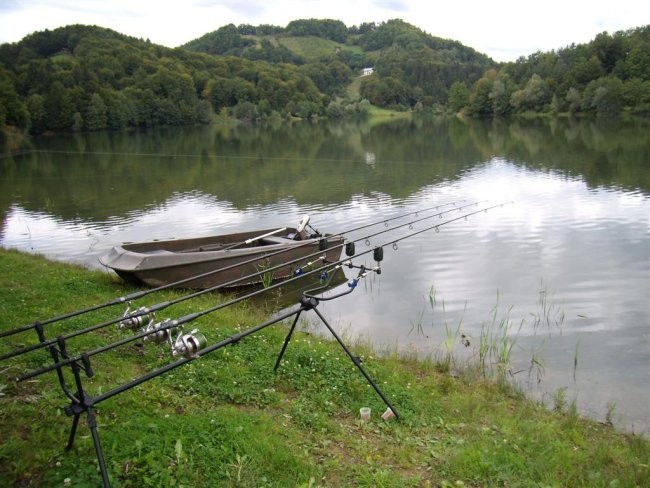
572, 254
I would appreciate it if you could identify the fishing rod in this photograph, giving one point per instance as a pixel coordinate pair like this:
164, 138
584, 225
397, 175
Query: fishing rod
192, 349
161, 329
142, 293
194, 345
136, 318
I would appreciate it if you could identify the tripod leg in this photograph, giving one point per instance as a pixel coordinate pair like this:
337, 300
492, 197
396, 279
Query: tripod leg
357, 363
73, 431
286, 341
92, 425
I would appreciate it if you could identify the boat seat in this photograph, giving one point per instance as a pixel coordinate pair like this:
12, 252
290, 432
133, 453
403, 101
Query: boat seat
277, 240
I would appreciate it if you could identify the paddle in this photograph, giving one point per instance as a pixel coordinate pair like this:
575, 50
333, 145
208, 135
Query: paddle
253, 239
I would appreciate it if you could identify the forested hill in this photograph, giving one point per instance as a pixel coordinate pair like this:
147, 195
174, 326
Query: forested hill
90, 78
411, 65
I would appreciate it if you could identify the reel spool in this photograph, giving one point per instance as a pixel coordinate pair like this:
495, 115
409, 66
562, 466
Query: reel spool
188, 345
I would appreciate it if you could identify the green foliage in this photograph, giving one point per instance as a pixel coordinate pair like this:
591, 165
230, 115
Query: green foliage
334, 30
12, 108
76, 78
411, 66
480, 104
605, 77
386, 92
86, 77
225, 40
458, 96
534, 96
96, 117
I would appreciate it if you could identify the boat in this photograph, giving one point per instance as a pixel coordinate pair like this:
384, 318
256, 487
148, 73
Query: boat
231, 260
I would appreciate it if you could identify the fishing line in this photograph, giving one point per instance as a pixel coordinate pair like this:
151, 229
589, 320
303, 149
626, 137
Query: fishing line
140, 294
168, 324
253, 157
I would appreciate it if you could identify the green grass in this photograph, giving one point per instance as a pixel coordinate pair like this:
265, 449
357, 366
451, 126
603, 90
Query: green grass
353, 88
311, 48
228, 420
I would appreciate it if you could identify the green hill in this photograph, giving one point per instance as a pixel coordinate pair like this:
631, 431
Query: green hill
91, 78
411, 65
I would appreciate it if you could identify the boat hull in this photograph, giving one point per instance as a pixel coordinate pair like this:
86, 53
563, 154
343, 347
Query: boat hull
219, 261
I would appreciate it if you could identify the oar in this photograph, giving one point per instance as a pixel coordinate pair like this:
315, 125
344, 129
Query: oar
253, 239
221, 247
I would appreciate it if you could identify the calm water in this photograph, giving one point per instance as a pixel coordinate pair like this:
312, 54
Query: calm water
566, 266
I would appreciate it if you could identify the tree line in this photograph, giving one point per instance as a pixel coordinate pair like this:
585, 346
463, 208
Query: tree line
90, 78
606, 77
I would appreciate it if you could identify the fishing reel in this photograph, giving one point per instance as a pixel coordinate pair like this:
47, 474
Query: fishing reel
137, 322
188, 345
159, 332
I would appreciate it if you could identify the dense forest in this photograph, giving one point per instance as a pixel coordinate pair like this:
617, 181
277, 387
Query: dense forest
606, 77
91, 78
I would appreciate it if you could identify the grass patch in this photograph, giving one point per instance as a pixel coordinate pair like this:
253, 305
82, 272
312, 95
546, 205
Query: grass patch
313, 48
228, 420
375, 111
353, 89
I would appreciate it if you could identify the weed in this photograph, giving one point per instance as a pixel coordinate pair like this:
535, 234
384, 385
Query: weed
497, 341
549, 315
238, 466
609, 416
451, 337
560, 399
575, 360
266, 276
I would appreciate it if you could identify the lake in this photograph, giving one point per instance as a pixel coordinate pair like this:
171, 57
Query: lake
561, 274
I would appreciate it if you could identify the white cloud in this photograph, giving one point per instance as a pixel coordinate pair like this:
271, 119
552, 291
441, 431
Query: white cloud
503, 29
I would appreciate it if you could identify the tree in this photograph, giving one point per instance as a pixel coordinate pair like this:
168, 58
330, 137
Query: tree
480, 102
246, 110
60, 106
96, 118
534, 96
458, 96
574, 100
500, 95
12, 109
604, 96
36, 109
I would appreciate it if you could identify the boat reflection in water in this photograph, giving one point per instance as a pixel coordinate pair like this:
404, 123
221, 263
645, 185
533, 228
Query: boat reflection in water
290, 292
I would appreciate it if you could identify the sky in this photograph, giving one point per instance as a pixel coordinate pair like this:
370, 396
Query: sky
502, 29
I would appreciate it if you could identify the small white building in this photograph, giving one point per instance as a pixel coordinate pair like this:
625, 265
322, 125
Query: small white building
367, 71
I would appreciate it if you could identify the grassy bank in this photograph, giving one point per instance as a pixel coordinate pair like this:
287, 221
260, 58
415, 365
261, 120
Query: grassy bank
228, 420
